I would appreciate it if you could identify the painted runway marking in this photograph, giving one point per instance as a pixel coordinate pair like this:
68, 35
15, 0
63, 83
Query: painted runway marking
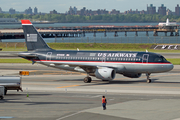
68, 86
96, 96
111, 99
177, 119
29, 99
69, 115
42, 84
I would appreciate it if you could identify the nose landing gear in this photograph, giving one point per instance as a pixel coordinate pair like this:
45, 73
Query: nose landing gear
148, 80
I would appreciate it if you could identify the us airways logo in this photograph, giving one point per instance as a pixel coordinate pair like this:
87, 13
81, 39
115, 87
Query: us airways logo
31, 37
129, 55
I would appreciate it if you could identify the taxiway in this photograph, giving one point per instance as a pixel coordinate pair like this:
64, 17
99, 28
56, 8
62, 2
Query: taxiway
60, 95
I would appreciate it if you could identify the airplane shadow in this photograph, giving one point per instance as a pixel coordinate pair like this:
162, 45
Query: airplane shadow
138, 81
39, 103
21, 98
100, 82
25, 93
71, 80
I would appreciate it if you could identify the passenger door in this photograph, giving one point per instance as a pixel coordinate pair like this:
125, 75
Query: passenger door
145, 58
48, 56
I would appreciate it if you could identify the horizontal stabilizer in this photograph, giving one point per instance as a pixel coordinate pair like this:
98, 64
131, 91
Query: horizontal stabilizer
27, 55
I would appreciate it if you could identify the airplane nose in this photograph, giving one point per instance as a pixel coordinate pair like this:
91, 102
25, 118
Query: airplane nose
170, 67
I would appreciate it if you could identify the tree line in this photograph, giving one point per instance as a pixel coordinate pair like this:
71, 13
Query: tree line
119, 18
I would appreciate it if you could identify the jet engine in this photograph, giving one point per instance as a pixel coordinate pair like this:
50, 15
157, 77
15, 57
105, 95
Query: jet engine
132, 75
105, 73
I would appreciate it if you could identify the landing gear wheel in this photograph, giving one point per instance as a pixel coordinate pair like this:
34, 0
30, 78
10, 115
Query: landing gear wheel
148, 80
5, 91
87, 79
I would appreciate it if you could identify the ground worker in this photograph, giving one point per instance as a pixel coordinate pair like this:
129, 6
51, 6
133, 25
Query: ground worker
104, 102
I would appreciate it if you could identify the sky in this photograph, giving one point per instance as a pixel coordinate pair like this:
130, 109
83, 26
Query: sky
61, 6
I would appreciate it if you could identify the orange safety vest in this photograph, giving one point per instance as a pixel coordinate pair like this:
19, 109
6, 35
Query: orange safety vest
103, 100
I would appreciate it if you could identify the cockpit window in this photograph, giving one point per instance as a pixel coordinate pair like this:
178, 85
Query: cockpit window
160, 59
164, 59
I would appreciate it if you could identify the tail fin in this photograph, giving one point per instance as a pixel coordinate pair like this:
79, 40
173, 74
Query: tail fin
33, 39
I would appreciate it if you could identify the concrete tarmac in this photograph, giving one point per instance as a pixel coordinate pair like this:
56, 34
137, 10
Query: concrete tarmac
60, 95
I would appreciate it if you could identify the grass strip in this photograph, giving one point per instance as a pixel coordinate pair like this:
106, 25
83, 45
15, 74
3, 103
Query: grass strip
88, 46
174, 61
18, 60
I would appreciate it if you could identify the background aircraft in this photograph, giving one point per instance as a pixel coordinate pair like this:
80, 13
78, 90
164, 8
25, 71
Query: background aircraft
102, 64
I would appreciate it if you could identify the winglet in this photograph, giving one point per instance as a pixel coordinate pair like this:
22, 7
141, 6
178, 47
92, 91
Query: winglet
26, 22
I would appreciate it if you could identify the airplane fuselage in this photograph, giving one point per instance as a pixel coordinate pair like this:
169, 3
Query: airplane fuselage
122, 61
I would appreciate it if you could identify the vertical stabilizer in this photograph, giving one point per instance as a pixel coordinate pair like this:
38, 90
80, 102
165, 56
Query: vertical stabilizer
167, 21
33, 39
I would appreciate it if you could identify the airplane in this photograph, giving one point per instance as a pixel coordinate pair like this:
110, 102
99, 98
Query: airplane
101, 64
167, 23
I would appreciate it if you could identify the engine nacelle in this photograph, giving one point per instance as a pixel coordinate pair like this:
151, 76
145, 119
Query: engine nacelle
132, 75
105, 73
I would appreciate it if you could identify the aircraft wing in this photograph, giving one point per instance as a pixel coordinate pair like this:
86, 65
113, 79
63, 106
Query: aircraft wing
83, 65
89, 68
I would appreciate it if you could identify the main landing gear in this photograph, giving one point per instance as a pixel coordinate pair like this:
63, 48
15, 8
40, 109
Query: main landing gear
148, 80
87, 79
